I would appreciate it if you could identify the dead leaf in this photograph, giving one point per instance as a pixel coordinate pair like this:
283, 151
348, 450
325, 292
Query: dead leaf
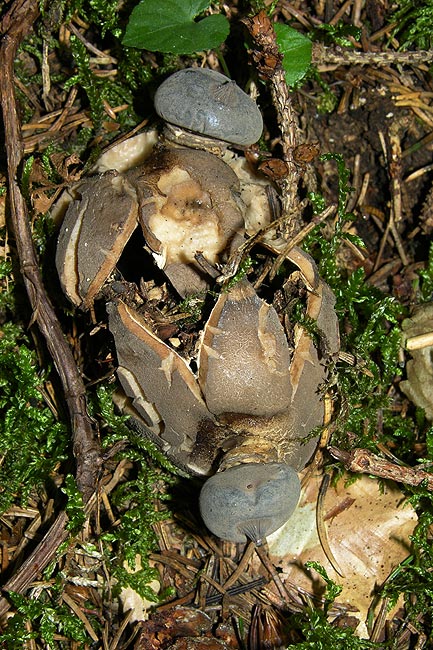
368, 533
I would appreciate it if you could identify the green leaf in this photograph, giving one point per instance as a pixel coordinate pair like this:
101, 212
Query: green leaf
296, 50
169, 26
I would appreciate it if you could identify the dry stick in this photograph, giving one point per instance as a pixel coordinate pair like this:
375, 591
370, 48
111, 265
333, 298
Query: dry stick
267, 563
282, 101
38, 560
321, 526
323, 55
268, 60
241, 566
394, 173
297, 239
364, 462
86, 448
15, 25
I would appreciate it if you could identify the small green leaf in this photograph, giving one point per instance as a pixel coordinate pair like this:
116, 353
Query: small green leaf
169, 26
296, 50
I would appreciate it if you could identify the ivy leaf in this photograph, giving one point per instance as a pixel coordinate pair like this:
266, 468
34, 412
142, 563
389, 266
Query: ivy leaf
169, 26
296, 50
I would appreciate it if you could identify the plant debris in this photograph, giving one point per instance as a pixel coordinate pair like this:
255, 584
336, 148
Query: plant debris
91, 511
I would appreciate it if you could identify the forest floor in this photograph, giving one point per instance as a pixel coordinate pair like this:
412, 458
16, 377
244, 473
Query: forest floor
96, 528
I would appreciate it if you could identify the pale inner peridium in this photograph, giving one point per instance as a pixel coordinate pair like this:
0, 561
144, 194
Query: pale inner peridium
184, 220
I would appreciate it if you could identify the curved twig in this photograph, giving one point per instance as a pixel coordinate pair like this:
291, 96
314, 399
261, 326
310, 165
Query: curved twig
363, 461
14, 27
42, 555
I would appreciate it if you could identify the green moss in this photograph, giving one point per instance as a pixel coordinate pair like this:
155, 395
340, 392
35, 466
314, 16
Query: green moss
134, 536
32, 441
47, 619
413, 578
320, 634
134, 499
369, 326
414, 20
75, 505
339, 34
317, 632
245, 265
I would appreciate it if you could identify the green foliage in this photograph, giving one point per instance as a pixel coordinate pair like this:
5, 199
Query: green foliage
6, 294
245, 265
319, 634
260, 5
338, 34
414, 21
103, 13
133, 70
332, 590
370, 331
135, 536
314, 626
43, 229
193, 306
47, 619
327, 100
170, 27
116, 429
136, 528
32, 442
25, 176
135, 500
296, 50
413, 578
75, 506
87, 80
97, 89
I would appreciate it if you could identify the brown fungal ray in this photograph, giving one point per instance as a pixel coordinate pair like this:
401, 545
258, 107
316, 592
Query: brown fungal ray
189, 203
244, 357
98, 223
309, 370
163, 379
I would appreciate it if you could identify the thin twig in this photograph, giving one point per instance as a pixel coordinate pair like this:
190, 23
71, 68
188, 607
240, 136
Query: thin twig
16, 24
90, 47
264, 558
43, 554
323, 55
297, 239
322, 530
364, 462
268, 60
241, 566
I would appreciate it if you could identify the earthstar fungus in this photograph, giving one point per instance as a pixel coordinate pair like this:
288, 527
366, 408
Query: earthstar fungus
243, 418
